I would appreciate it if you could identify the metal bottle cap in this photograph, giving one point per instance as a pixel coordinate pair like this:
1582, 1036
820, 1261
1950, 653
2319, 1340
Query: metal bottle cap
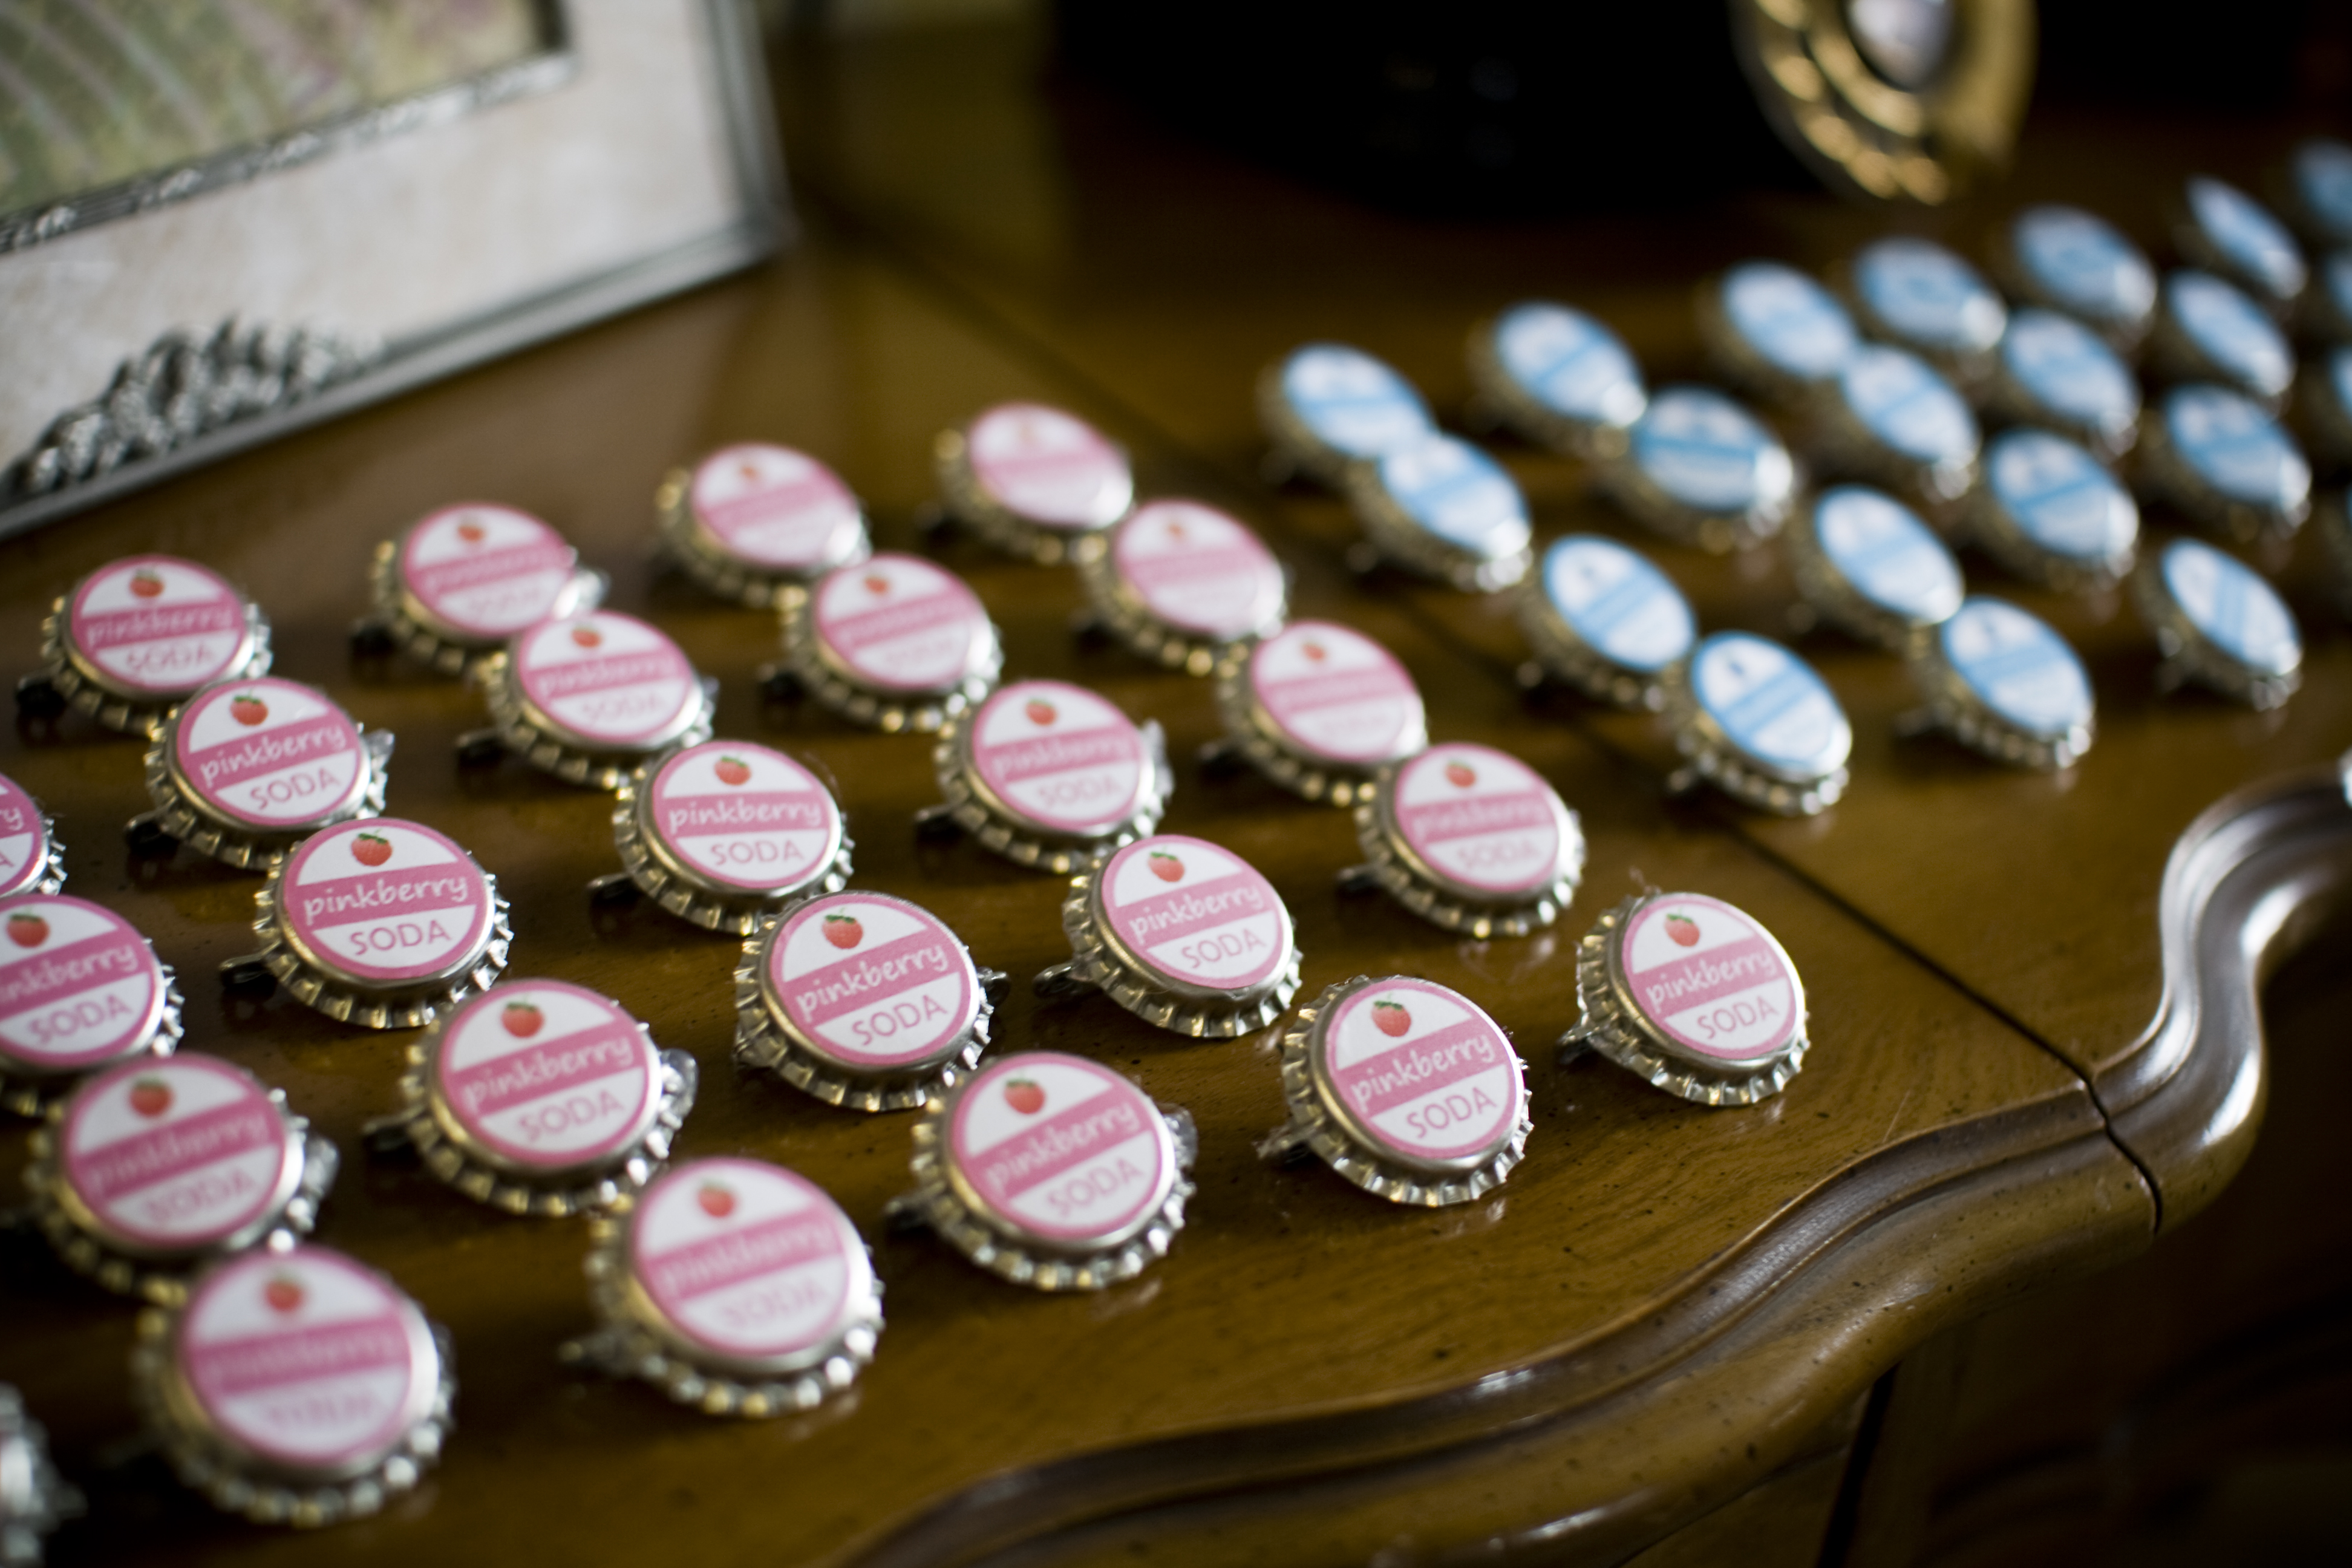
1052, 1172
589, 697
2221, 227
1890, 417
2333, 523
2003, 682
1701, 469
1184, 935
726, 832
1918, 294
1406, 1088
1326, 405
541, 1097
1050, 775
1756, 721
140, 634
2054, 371
2049, 512
2328, 405
1183, 582
1693, 996
1035, 481
862, 1000
85, 991
895, 643
1471, 839
2219, 624
1602, 618
1558, 377
155, 1165
2223, 460
2212, 330
244, 768
1775, 331
34, 1499
2319, 190
31, 858
466, 578
2327, 307
295, 1387
379, 922
2074, 261
1867, 563
751, 517
1442, 507
1319, 708
734, 1286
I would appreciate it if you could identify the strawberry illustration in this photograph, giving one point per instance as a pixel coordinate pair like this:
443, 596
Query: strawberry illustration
248, 710
145, 584
1175, 530
522, 1019
1314, 652
844, 931
472, 533
1040, 713
1682, 930
151, 1097
1461, 775
716, 1199
284, 1292
749, 472
1023, 1096
1390, 1020
731, 770
586, 637
1166, 867
27, 930
371, 849
877, 584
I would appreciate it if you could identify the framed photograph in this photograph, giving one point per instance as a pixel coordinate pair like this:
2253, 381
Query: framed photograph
224, 219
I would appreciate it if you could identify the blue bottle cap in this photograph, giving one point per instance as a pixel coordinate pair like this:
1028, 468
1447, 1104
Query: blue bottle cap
1883, 555
2229, 604
1777, 715
2328, 405
1705, 453
1568, 365
1786, 322
2060, 371
2076, 261
2320, 175
1342, 402
1443, 507
1611, 600
2052, 513
1923, 295
2233, 233
2017, 669
2223, 336
2331, 302
1911, 413
2233, 449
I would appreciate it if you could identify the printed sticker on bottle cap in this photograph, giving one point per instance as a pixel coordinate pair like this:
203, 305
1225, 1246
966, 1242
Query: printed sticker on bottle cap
1792, 323
1616, 603
1480, 817
1421, 1073
306, 1359
1710, 978
2232, 606
900, 624
178, 1154
486, 571
2082, 263
1352, 402
747, 1260
1457, 493
1060, 1150
1886, 554
2022, 671
547, 1076
608, 678
772, 508
78, 986
1770, 704
1060, 756
1706, 451
1195, 913
2069, 370
1928, 295
269, 753
1902, 401
1335, 694
24, 840
1197, 569
1570, 363
2059, 496
2322, 173
2236, 448
1049, 469
159, 626
2232, 331
384, 902
2244, 235
875, 981
743, 816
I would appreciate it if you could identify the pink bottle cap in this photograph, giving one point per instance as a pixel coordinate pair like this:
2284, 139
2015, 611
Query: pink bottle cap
1418, 1075
1054, 758
1197, 571
384, 904
899, 624
543, 1079
269, 755
1048, 468
477, 573
605, 682
729, 817
177, 1156
28, 851
1319, 707
873, 986
774, 510
156, 626
1191, 919
80, 987
1054, 1152
1473, 826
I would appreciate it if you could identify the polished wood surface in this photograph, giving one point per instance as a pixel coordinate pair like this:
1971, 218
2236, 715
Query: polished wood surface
1664, 1309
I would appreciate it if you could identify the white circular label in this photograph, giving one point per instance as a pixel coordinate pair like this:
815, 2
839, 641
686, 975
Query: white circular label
178, 1154
1770, 704
23, 840
1482, 818
2247, 237
1421, 1073
78, 986
1060, 1150
2232, 445
486, 571
1886, 554
608, 678
2018, 668
547, 1077
158, 626
2061, 498
1352, 402
743, 815
1616, 603
2084, 263
1452, 490
1335, 694
1049, 469
2232, 606
1927, 296
1706, 452
900, 624
747, 1259
773, 509
384, 901
1198, 570
1570, 363
1060, 757
1196, 914
1709, 977
1902, 402
2232, 331
1792, 323
877, 982
269, 752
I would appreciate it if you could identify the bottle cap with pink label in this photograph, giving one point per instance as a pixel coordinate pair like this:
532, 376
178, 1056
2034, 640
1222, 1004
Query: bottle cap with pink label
1052, 1172
1406, 1088
138, 637
296, 1386
895, 642
153, 1165
80, 990
734, 1286
31, 858
1183, 933
589, 697
862, 1000
725, 833
752, 517
245, 768
1183, 582
1319, 709
1693, 994
466, 578
377, 922
1472, 839
541, 1097
1050, 775
1034, 481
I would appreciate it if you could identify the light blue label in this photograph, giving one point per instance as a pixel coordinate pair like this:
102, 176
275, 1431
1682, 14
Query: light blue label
1769, 703
2017, 666
2060, 497
1570, 363
2232, 606
2336, 277
1706, 452
1886, 554
2068, 371
1458, 493
1927, 296
2323, 179
2231, 331
2246, 235
2230, 443
1352, 402
1790, 322
1617, 603
1901, 400
2338, 380
2084, 263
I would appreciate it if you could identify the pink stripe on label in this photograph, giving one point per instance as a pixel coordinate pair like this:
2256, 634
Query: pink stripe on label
1022, 467
549, 682
753, 811
1287, 699
1171, 917
1184, 568
218, 767
1057, 1144
758, 506
142, 1160
1019, 760
445, 577
865, 978
68, 970
115, 628
1417, 1067
1702, 977
852, 634
718, 1261
1449, 819
536, 1071
248, 1365
451, 885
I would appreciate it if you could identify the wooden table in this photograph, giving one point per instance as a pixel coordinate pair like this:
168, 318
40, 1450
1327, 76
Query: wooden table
1666, 1310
